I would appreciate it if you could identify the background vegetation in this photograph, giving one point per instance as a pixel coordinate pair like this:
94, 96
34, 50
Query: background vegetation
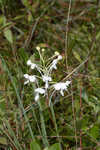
71, 27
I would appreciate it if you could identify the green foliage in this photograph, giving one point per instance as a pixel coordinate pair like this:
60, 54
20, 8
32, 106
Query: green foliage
55, 146
8, 35
34, 146
3, 141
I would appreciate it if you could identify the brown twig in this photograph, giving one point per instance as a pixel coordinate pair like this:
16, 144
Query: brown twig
66, 37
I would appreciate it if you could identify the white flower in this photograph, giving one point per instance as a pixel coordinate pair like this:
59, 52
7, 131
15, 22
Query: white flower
68, 82
54, 63
32, 78
33, 66
59, 57
46, 79
26, 76
29, 78
61, 87
26, 82
36, 97
29, 62
38, 91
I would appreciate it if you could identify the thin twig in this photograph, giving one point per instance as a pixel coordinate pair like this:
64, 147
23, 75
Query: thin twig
39, 136
66, 38
74, 117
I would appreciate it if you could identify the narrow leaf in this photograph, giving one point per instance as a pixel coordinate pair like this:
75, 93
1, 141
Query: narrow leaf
3, 141
34, 146
8, 35
77, 56
55, 146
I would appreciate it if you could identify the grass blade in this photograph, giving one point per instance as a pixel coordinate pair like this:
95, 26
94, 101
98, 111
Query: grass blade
18, 97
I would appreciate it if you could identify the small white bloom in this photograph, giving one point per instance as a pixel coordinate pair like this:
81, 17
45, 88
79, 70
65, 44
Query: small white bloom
36, 96
29, 62
26, 76
59, 57
29, 78
53, 67
32, 78
46, 79
38, 91
54, 63
26, 82
33, 66
68, 82
61, 87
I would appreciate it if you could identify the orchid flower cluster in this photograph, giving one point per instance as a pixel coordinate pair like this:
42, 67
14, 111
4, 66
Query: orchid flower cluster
45, 75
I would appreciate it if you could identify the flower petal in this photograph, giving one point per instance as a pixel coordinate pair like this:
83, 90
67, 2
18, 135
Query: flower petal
29, 62
36, 97
59, 57
46, 78
33, 66
26, 76
32, 78
68, 82
26, 82
61, 87
40, 90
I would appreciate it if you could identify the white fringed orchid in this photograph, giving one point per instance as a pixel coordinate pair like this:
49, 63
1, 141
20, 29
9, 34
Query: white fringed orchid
29, 78
61, 87
37, 92
46, 79
45, 76
32, 65
54, 63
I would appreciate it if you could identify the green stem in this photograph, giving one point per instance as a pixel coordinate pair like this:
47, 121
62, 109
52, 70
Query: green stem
55, 123
45, 140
